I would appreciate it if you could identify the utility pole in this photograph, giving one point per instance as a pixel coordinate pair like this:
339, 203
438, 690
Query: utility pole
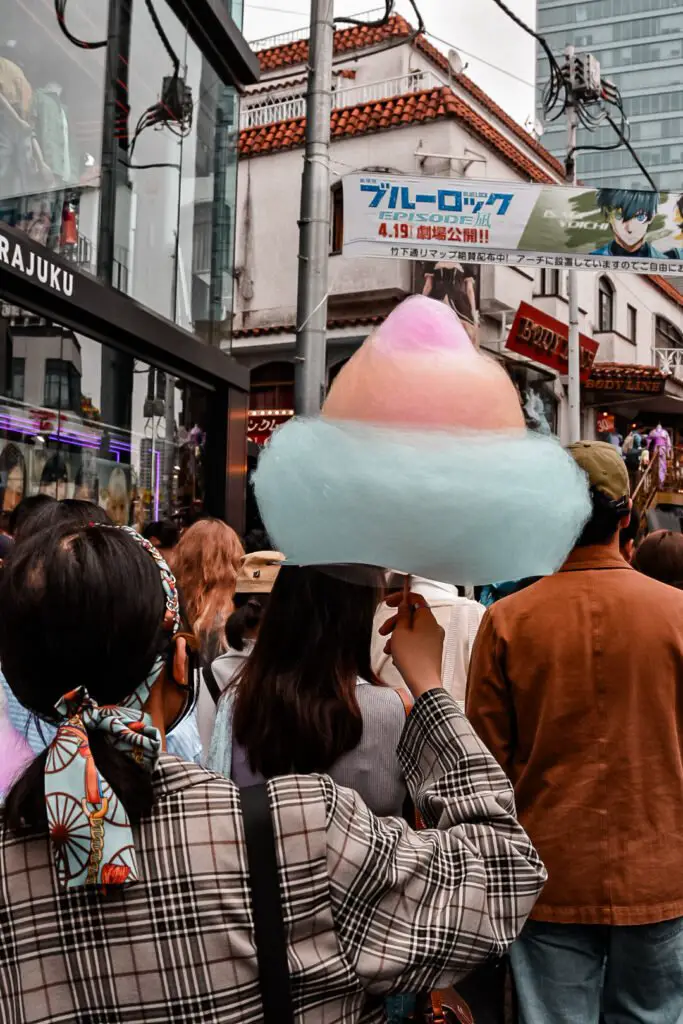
314, 225
574, 371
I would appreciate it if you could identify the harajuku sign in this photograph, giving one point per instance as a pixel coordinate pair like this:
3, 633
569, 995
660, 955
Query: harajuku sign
444, 220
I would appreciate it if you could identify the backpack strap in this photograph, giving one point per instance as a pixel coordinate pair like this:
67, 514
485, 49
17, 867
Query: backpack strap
266, 902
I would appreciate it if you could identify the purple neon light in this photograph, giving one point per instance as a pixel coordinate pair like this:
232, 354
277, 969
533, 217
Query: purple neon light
156, 486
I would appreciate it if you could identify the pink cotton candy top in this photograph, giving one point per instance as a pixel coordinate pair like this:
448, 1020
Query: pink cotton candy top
419, 368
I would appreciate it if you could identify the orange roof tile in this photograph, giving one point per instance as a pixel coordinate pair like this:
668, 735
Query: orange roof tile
617, 371
346, 40
665, 286
395, 112
359, 37
333, 324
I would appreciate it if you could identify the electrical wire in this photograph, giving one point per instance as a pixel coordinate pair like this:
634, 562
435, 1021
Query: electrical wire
591, 114
162, 35
82, 44
557, 90
633, 153
480, 60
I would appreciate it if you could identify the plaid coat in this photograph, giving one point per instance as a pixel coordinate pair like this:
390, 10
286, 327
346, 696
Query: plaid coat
370, 907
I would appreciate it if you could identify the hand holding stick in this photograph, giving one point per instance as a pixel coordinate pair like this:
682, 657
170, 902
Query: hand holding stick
415, 641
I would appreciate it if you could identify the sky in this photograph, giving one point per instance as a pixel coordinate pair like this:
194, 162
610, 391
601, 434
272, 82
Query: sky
476, 28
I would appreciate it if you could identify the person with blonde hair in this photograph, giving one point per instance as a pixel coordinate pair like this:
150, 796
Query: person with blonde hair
206, 561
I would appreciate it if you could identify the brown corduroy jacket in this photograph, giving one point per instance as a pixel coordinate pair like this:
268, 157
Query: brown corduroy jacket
576, 687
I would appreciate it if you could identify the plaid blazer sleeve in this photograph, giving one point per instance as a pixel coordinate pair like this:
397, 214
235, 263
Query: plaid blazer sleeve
417, 910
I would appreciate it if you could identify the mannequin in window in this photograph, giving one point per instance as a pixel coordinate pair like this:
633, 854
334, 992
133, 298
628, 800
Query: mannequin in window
52, 130
22, 167
661, 448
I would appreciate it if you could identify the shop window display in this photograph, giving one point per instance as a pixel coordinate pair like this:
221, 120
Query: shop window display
55, 440
51, 98
537, 398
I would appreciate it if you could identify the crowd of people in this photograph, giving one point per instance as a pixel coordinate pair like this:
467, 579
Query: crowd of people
149, 684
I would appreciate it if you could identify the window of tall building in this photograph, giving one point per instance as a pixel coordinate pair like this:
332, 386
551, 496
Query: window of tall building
605, 305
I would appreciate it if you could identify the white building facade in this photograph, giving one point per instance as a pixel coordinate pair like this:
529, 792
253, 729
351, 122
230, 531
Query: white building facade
399, 108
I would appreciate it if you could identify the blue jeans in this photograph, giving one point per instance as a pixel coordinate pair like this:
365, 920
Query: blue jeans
568, 974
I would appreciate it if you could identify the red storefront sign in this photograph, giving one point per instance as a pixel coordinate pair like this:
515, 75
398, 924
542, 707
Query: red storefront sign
541, 337
606, 423
263, 422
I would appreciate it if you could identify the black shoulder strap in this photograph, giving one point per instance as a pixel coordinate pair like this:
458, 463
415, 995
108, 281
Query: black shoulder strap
211, 684
266, 901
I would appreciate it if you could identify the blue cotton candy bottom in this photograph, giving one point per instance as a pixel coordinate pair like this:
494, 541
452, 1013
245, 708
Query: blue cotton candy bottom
460, 508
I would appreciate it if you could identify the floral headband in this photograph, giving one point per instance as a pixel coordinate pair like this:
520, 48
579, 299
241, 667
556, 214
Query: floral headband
89, 828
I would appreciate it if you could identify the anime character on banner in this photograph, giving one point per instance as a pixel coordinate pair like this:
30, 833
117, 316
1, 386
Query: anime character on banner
677, 252
420, 461
456, 285
630, 215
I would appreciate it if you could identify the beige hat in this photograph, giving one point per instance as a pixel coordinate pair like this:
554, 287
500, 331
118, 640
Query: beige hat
604, 467
258, 572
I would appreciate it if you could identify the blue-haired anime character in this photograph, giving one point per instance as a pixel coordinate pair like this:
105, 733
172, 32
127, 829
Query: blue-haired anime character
630, 214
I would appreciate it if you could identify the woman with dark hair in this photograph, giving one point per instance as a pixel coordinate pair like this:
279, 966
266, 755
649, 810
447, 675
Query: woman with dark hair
124, 878
660, 556
42, 513
307, 699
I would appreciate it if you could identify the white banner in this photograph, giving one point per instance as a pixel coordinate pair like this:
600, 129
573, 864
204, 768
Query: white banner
447, 220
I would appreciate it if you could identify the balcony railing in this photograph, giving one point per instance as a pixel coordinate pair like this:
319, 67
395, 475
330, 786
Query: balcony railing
671, 361
285, 38
287, 106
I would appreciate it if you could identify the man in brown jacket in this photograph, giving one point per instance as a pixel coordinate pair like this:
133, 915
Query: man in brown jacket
576, 686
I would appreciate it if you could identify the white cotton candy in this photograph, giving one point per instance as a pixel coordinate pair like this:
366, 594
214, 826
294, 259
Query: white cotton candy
460, 508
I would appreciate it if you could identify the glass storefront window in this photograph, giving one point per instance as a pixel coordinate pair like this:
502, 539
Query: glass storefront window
176, 180
57, 438
51, 101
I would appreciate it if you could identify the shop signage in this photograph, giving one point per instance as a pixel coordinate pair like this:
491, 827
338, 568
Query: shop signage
262, 423
606, 424
628, 384
541, 337
19, 257
464, 221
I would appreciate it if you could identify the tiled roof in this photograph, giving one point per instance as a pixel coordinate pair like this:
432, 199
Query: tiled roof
395, 112
332, 325
478, 94
346, 40
620, 371
359, 37
665, 286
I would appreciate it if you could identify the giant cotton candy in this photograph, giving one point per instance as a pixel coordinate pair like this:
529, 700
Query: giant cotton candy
421, 461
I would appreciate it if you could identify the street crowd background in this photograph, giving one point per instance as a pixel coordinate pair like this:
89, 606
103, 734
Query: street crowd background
343, 692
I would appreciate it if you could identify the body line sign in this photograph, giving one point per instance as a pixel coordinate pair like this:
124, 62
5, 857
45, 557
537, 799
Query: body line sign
512, 224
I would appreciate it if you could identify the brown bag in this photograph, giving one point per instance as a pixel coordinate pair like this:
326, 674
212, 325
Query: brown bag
442, 1006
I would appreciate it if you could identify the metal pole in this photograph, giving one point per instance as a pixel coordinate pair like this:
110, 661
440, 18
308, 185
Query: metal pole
574, 371
314, 225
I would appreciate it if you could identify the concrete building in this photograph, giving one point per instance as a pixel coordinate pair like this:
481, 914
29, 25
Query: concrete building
403, 110
639, 44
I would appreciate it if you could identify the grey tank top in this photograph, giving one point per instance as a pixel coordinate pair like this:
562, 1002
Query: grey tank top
372, 768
